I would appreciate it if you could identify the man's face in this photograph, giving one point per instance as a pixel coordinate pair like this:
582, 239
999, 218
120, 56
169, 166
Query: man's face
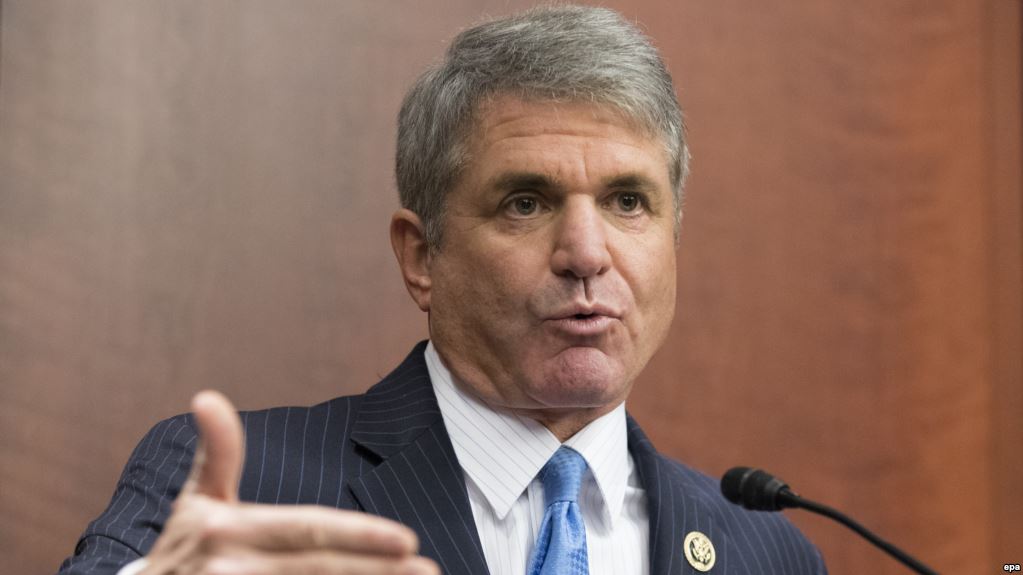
555, 280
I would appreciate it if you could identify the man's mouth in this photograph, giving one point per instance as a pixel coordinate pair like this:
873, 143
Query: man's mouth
582, 323
583, 311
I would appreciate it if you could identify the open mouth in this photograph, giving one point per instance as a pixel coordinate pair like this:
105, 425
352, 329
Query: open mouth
583, 324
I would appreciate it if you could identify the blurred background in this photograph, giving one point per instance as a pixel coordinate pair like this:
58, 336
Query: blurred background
196, 194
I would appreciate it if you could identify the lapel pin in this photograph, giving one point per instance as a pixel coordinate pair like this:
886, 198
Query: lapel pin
699, 551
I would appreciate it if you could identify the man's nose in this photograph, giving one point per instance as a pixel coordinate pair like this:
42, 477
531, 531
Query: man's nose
581, 242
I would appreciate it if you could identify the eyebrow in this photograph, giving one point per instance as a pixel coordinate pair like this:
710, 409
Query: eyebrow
631, 181
511, 181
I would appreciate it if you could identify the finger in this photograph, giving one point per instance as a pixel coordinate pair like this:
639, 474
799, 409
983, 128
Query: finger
307, 527
217, 466
320, 562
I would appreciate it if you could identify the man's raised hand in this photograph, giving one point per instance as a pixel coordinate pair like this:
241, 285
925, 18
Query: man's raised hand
211, 532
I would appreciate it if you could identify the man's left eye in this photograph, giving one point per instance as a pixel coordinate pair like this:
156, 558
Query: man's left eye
628, 202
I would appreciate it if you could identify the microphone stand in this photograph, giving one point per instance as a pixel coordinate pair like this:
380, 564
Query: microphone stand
793, 500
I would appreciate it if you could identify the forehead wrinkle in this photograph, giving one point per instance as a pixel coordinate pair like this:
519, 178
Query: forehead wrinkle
503, 123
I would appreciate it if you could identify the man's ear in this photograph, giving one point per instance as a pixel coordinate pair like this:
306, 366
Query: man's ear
408, 239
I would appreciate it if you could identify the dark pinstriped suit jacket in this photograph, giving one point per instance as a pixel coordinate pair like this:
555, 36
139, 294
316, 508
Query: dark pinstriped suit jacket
386, 452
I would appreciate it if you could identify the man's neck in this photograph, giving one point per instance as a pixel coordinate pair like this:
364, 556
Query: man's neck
566, 423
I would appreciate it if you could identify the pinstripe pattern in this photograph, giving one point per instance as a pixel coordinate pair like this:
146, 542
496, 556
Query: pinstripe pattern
682, 500
387, 452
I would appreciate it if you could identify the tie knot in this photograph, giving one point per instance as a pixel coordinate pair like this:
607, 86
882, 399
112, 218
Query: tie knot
562, 475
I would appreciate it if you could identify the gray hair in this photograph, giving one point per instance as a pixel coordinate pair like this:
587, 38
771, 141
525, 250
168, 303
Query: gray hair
554, 53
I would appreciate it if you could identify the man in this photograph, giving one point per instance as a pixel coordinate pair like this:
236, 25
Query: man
540, 168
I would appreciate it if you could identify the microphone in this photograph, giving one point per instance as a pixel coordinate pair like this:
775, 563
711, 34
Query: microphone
758, 490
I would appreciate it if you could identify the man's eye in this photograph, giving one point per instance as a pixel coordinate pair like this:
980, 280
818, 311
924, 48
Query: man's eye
525, 206
628, 202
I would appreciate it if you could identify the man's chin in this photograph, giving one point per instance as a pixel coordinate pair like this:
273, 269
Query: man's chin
582, 377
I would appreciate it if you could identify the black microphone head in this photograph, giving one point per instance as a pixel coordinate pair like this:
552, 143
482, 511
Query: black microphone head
755, 489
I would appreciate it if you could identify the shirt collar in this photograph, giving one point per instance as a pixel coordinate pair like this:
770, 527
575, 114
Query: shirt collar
501, 452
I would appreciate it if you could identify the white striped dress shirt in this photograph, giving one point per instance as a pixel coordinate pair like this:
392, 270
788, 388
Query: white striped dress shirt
501, 454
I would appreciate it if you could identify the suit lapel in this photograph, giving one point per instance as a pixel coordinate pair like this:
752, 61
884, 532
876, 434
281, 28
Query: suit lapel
418, 480
676, 508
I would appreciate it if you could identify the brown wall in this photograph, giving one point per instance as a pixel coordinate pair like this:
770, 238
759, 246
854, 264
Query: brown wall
196, 194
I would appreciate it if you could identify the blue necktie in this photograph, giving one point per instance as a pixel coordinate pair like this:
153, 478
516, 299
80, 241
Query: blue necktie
561, 546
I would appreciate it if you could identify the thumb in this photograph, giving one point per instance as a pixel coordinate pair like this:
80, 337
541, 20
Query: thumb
217, 465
